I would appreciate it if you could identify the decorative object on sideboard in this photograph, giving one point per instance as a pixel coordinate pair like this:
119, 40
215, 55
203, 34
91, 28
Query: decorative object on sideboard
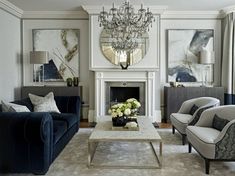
38, 57
125, 28
75, 81
184, 46
63, 48
207, 58
69, 82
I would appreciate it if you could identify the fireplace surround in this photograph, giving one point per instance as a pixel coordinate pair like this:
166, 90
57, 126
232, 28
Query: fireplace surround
145, 79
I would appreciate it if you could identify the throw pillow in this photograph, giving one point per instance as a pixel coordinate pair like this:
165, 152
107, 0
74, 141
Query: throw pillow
11, 107
44, 104
193, 109
219, 123
198, 114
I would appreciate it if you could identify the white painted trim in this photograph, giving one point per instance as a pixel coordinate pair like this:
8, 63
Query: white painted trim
94, 10
191, 15
11, 8
55, 14
147, 77
228, 10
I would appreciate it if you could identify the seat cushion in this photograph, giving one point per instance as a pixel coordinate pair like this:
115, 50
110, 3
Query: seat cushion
70, 119
202, 139
180, 121
59, 129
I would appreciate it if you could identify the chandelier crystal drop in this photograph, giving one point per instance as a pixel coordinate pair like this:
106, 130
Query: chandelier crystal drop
125, 26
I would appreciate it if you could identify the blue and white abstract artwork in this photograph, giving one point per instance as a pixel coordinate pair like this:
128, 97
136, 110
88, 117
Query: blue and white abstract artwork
184, 46
63, 48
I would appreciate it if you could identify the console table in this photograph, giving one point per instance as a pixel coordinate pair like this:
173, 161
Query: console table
57, 90
175, 96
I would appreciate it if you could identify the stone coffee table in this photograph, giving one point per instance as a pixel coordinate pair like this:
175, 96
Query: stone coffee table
103, 133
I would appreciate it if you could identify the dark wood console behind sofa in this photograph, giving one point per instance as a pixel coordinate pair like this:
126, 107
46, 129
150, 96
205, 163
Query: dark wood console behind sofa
175, 96
57, 90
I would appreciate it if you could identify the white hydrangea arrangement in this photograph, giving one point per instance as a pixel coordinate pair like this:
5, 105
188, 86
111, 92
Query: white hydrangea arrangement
128, 108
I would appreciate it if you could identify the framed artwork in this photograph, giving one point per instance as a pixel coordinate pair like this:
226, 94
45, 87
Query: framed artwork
63, 48
184, 46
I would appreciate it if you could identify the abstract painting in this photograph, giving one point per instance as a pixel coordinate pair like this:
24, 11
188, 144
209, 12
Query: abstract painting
184, 47
63, 48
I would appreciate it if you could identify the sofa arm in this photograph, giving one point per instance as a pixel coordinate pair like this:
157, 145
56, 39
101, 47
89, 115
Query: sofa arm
26, 142
225, 142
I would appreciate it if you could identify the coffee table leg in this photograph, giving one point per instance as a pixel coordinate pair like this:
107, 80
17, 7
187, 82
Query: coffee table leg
158, 158
91, 151
160, 153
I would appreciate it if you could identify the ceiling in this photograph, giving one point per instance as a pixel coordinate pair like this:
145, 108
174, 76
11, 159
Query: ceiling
73, 5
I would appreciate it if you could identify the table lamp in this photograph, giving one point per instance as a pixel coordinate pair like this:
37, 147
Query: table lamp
207, 58
38, 57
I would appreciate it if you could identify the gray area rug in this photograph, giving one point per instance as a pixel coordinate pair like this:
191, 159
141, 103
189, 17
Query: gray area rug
176, 159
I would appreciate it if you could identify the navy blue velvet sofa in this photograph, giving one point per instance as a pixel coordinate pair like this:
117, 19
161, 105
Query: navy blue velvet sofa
30, 141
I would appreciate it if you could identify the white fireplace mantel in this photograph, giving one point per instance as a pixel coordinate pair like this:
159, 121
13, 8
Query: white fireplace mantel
148, 77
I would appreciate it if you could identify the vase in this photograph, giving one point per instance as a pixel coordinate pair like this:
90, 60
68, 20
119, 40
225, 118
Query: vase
75, 81
119, 121
69, 82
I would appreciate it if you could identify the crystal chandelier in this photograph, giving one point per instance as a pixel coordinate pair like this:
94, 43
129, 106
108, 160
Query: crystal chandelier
125, 26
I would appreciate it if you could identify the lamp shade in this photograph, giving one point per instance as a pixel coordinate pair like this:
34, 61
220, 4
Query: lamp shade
38, 57
207, 57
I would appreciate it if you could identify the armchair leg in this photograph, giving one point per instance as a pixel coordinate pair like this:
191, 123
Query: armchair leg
207, 166
189, 148
183, 139
173, 129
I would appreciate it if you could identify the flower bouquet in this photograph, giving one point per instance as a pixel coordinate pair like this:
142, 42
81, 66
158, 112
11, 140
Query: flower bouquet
124, 112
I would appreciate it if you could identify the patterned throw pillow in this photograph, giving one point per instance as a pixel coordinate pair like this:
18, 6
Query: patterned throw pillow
11, 107
44, 104
219, 123
193, 109
198, 114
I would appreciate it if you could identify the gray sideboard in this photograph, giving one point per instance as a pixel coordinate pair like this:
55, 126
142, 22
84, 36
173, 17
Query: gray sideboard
175, 96
57, 90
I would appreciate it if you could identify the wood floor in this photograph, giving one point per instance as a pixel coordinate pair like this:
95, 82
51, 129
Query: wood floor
85, 124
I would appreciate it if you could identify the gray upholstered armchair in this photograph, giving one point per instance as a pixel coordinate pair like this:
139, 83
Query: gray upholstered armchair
213, 136
190, 112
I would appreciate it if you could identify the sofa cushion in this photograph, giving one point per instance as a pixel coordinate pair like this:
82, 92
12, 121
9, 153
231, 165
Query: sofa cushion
180, 121
219, 123
69, 118
59, 129
44, 104
202, 139
12, 107
26, 102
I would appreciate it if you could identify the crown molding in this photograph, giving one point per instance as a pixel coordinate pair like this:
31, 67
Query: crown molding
11, 8
55, 14
227, 10
94, 10
192, 15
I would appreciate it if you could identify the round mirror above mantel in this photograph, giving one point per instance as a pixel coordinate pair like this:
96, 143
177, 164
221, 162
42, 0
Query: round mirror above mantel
123, 57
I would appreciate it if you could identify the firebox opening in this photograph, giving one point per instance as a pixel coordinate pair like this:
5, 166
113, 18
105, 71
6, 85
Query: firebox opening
121, 94
118, 92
